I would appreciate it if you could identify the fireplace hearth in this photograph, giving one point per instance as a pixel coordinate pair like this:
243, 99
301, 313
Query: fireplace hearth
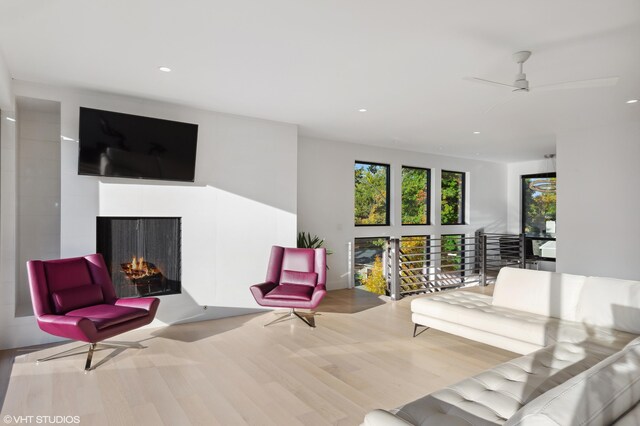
142, 254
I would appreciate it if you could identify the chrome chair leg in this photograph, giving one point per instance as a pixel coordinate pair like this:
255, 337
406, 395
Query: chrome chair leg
92, 348
280, 318
68, 352
309, 321
293, 314
87, 365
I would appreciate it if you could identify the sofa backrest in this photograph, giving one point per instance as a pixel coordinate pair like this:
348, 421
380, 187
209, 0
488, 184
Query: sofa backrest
538, 292
597, 396
610, 303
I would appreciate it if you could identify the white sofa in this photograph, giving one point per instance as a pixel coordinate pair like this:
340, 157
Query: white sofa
580, 340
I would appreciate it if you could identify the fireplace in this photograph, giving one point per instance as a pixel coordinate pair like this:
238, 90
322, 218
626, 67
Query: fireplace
141, 253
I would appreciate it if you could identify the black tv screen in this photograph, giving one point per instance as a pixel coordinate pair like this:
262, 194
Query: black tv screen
124, 145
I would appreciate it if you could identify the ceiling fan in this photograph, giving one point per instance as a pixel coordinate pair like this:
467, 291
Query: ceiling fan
521, 84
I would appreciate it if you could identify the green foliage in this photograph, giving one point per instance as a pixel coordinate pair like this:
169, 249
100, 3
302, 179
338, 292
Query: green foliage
370, 194
451, 212
305, 240
414, 196
450, 244
374, 281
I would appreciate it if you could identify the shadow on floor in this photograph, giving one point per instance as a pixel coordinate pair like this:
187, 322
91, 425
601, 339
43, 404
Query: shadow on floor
350, 301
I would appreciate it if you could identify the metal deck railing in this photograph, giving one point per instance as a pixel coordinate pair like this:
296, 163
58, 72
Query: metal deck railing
426, 264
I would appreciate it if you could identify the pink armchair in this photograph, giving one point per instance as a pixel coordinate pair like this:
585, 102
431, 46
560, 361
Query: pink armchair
74, 298
296, 279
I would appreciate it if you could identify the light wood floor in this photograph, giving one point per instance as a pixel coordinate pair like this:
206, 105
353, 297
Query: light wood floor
234, 371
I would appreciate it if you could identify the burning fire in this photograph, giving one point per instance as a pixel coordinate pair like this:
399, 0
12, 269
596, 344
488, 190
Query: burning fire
139, 268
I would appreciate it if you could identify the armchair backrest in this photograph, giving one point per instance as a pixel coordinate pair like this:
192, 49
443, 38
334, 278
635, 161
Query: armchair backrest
284, 262
58, 286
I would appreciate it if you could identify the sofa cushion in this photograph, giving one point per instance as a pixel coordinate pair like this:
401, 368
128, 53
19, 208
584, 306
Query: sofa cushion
475, 311
538, 292
290, 292
609, 302
104, 316
597, 396
77, 297
495, 395
299, 278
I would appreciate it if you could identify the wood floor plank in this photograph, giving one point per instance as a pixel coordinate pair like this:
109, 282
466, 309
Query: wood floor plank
234, 371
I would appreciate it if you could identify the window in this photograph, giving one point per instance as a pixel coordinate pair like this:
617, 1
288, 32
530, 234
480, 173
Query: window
369, 257
453, 193
539, 214
539, 204
371, 194
415, 195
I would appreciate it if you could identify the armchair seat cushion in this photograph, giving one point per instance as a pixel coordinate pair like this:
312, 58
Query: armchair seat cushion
104, 316
290, 292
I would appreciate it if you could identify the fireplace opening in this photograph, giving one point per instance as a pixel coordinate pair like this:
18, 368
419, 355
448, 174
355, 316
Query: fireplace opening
142, 254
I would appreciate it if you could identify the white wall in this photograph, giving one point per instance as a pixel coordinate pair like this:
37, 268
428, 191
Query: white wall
514, 200
38, 190
326, 197
6, 95
598, 203
242, 202
8, 215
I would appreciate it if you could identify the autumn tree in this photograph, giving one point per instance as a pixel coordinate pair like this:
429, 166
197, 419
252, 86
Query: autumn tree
374, 281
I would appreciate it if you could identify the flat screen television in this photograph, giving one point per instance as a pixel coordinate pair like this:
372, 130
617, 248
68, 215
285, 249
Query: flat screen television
124, 145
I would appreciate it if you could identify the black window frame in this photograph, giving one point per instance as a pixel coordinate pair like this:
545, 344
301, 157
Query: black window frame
522, 191
428, 201
531, 237
388, 198
463, 204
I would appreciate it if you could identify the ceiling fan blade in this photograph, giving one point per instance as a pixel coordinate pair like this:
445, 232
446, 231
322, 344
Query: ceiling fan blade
505, 100
580, 84
489, 82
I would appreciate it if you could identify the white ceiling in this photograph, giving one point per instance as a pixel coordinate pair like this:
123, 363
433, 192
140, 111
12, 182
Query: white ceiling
316, 62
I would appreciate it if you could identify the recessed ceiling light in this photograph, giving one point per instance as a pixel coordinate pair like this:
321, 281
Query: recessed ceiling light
476, 133
362, 110
632, 101
11, 119
164, 69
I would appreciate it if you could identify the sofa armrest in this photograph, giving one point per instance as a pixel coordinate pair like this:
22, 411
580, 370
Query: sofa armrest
383, 418
259, 291
76, 328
